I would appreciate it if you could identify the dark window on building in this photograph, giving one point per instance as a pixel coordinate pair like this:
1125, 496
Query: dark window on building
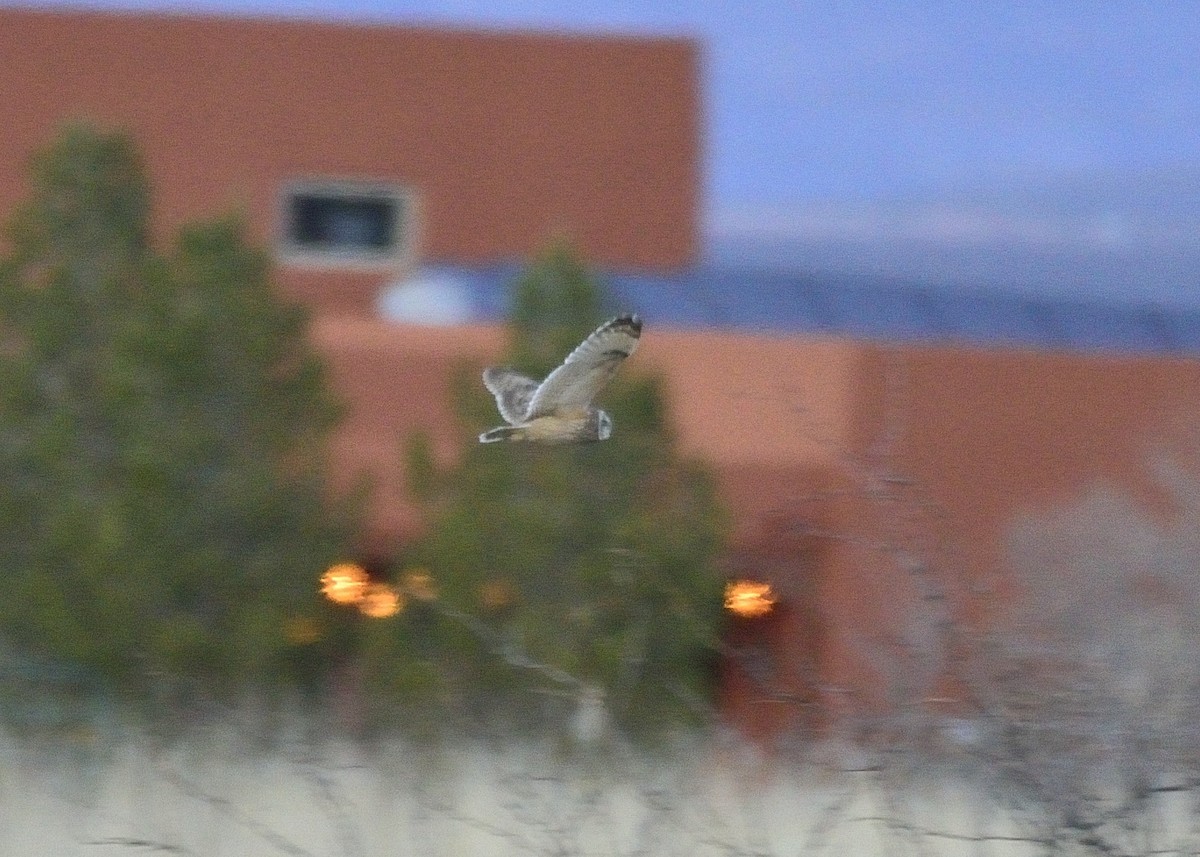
346, 222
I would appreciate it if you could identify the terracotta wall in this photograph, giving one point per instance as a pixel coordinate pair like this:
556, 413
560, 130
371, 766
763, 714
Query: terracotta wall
508, 138
838, 460
770, 414
950, 446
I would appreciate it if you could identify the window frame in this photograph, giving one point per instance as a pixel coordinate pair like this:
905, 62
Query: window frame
404, 230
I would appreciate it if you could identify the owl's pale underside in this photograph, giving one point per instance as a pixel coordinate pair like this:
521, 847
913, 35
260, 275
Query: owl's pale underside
559, 409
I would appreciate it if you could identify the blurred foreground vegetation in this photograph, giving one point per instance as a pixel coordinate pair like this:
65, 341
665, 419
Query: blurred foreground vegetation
163, 422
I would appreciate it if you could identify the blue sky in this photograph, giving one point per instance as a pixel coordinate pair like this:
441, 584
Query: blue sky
1013, 143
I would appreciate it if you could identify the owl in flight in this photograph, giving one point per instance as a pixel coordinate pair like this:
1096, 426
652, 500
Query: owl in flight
559, 409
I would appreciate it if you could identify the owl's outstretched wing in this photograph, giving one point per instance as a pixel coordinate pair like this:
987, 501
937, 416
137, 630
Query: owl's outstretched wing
574, 384
513, 392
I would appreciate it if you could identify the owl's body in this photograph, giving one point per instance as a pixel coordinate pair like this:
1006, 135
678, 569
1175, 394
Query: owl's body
559, 409
573, 427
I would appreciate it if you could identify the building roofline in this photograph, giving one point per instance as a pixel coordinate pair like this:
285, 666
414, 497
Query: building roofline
362, 22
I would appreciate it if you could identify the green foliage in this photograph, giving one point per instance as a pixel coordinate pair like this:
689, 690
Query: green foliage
594, 561
162, 432
556, 303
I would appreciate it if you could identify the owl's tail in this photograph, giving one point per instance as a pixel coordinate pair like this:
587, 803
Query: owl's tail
501, 433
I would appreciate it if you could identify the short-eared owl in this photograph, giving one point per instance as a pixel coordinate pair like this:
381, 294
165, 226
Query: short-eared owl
559, 409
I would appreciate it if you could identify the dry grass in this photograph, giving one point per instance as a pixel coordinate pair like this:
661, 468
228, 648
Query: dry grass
215, 796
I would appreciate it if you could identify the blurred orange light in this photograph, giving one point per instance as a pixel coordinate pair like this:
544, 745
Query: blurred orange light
380, 601
749, 599
344, 583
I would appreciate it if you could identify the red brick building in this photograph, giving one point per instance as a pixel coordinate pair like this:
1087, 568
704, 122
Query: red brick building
441, 145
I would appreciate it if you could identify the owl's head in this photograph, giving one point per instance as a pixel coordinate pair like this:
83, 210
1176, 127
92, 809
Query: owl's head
603, 425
